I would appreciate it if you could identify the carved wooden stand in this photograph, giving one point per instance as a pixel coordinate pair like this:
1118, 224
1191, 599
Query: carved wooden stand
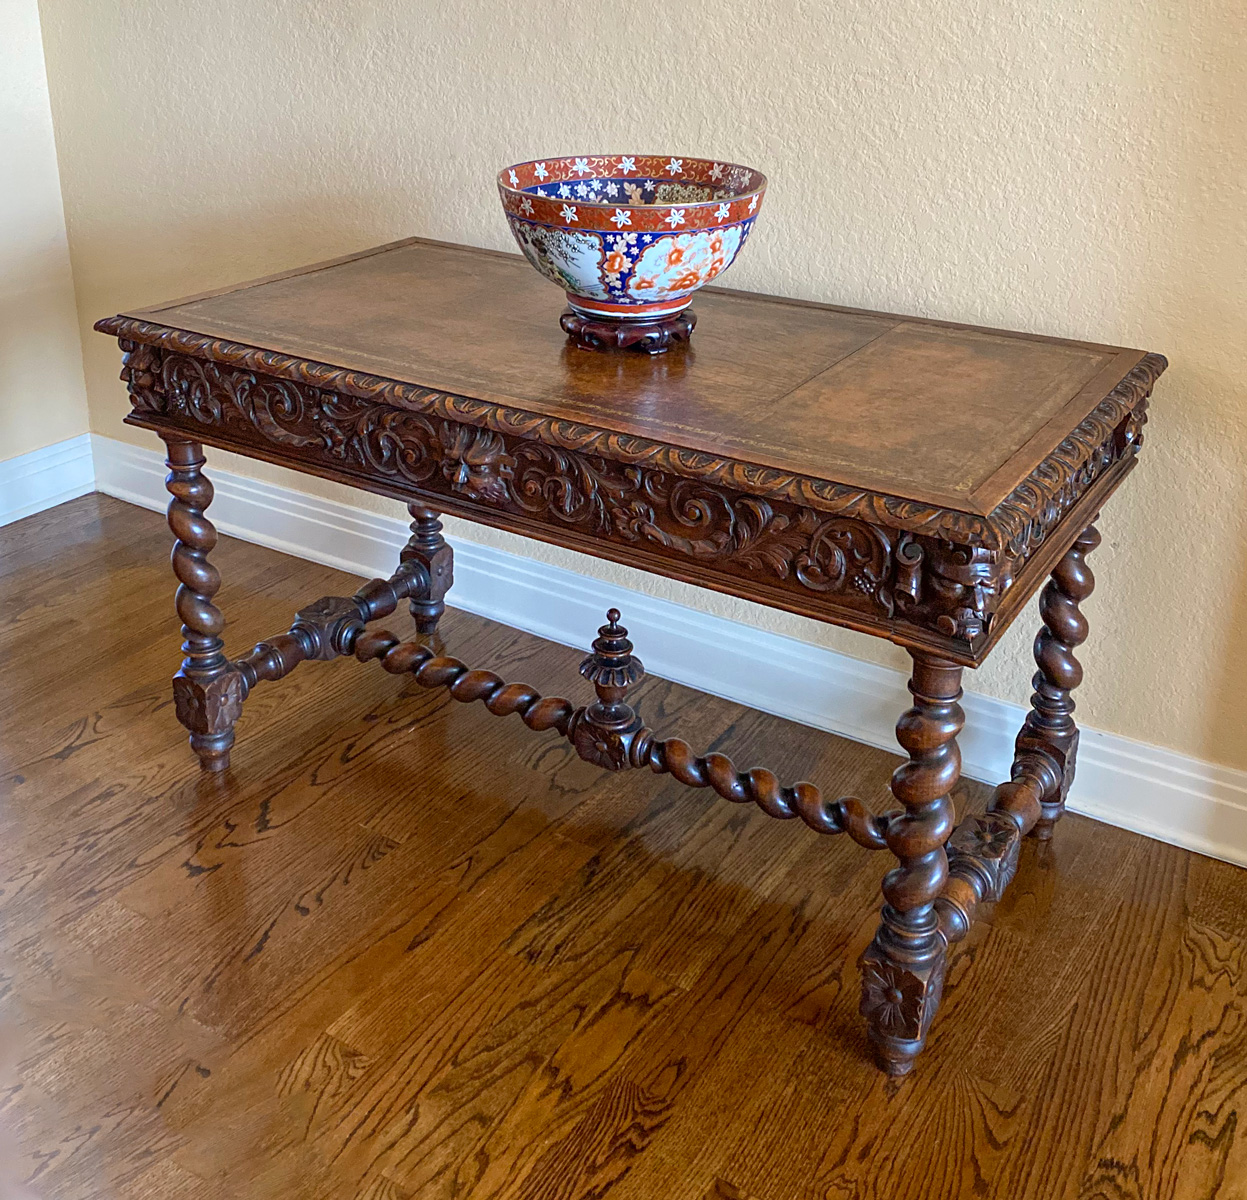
647, 337
942, 874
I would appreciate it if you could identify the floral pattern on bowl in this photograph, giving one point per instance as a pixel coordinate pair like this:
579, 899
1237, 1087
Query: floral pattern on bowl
630, 237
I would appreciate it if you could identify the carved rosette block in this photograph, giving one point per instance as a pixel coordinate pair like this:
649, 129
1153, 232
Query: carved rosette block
207, 691
603, 747
647, 337
1049, 730
326, 625
899, 1001
208, 706
903, 968
433, 553
982, 860
986, 846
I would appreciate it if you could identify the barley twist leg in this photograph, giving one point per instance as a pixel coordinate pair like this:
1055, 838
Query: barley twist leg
207, 691
1049, 729
903, 968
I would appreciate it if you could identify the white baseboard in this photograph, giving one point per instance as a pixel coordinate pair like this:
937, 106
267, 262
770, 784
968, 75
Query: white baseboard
42, 478
1144, 788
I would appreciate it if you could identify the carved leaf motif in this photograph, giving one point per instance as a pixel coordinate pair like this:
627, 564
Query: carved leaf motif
190, 391
392, 443
576, 489
1012, 524
937, 568
278, 409
844, 553
907, 589
768, 540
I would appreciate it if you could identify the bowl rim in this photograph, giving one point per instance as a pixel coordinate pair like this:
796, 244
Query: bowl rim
505, 186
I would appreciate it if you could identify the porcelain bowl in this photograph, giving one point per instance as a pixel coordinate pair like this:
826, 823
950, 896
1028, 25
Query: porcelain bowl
630, 237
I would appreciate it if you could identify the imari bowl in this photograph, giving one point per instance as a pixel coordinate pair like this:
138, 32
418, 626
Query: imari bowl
630, 238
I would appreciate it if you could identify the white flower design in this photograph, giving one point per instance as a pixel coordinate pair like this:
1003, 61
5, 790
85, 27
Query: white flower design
675, 217
627, 164
526, 206
753, 204
564, 191
612, 189
676, 166
515, 179
716, 172
581, 166
582, 190
569, 213
722, 212
540, 171
622, 217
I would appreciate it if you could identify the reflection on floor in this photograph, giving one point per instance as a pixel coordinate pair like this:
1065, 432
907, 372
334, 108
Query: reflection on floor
407, 949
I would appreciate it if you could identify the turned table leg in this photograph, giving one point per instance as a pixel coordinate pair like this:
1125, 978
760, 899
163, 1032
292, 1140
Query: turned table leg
1049, 729
428, 548
207, 691
903, 968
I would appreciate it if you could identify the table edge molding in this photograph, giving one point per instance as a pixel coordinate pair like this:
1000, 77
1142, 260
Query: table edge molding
918, 575
1020, 520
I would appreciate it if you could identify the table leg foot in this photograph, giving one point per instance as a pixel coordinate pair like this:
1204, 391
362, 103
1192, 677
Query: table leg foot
902, 982
207, 691
903, 968
213, 749
427, 547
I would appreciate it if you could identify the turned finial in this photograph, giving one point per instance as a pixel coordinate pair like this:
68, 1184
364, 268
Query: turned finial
612, 668
607, 731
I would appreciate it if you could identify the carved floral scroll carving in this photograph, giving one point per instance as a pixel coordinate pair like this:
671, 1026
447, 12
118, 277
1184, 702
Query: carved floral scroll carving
890, 558
1026, 514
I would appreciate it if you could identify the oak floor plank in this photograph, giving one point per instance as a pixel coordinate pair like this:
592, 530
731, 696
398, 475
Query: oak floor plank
405, 949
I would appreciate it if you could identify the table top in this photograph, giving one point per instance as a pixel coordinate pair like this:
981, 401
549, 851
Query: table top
922, 410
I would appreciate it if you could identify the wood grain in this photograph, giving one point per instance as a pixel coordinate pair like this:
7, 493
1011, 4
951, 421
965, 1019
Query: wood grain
908, 478
346, 968
832, 393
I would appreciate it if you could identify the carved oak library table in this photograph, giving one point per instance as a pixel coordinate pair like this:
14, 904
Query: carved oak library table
911, 479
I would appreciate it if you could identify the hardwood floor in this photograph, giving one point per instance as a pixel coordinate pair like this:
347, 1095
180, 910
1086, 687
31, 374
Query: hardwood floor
406, 949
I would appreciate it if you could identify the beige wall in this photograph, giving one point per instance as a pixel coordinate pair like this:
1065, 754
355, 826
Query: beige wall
1071, 168
42, 393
